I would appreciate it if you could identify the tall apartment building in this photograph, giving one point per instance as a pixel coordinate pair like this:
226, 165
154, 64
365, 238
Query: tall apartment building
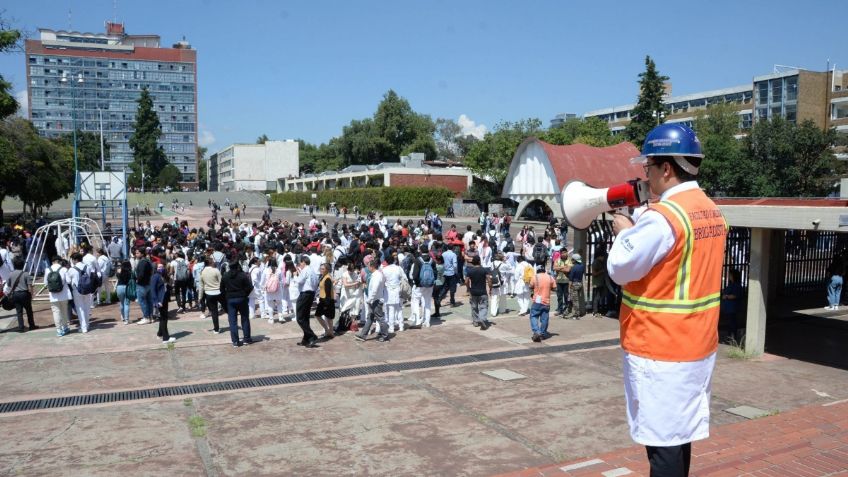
791, 93
257, 167
114, 67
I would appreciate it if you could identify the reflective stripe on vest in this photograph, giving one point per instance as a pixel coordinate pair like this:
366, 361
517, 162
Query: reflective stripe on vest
681, 303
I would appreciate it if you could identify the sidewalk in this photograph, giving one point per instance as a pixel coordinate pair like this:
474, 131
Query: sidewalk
811, 441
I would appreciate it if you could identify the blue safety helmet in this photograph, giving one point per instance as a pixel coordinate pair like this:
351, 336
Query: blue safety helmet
671, 139
674, 140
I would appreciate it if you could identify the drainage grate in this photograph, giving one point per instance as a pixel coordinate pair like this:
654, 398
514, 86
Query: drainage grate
307, 376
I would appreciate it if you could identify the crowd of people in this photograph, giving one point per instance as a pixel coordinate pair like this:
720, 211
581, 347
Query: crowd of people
352, 276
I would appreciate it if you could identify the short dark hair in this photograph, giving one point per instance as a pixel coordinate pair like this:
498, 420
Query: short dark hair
681, 175
18, 263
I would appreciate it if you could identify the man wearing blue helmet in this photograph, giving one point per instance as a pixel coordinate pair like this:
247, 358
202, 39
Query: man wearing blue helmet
669, 262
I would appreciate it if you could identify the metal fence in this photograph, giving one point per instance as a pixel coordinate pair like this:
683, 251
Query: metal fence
807, 255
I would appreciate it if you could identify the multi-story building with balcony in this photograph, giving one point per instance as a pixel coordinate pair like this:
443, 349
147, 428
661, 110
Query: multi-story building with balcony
89, 78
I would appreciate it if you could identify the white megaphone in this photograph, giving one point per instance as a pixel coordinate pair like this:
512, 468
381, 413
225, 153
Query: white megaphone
581, 204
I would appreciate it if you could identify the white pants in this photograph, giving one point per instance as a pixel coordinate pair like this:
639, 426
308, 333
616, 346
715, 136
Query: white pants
274, 304
497, 303
254, 298
82, 303
523, 302
60, 314
394, 315
422, 302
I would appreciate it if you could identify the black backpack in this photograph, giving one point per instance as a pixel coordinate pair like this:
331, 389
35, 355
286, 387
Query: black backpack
496, 276
54, 281
540, 253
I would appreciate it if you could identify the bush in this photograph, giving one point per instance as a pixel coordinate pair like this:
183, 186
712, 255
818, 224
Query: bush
388, 200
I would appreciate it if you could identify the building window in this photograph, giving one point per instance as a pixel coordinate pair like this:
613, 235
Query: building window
762, 93
792, 88
777, 90
745, 121
775, 112
791, 113
762, 113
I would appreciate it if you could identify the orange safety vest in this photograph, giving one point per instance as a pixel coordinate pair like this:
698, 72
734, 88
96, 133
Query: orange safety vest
671, 314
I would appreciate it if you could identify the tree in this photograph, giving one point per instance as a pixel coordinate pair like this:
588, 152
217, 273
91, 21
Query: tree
169, 176
791, 161
491, 157
591, 131
36, 170
9, 39
147, 152
315, 159
88, 149
446, 136
262, 139
464, 144
650, 109
200, 153
725, 170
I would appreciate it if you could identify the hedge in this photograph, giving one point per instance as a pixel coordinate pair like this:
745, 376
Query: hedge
394, 200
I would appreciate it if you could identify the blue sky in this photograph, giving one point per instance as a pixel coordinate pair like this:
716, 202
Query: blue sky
304, 69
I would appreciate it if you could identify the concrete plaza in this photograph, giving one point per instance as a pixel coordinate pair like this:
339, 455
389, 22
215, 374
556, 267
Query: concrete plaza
566, 409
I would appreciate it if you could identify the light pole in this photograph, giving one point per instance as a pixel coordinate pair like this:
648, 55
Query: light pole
64, 80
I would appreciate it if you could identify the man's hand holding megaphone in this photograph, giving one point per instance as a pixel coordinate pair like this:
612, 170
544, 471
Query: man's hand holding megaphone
621, 222
582, 204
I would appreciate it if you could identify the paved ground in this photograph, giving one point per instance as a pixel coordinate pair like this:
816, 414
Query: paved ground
445, 420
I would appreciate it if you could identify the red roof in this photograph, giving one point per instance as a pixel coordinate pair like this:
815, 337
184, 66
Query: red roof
596, 166
783, 201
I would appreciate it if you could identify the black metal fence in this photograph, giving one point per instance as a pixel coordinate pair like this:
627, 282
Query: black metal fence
807, 255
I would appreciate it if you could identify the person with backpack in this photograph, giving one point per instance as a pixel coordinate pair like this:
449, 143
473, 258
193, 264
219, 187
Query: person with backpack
161, 294
237, 288
575, 279
143, 273
210, 282
179, 270
423, 275
56, 281
124, 275
105, 266
273, 284
540, 254
254, 271
83, 283
497, 304
523, 277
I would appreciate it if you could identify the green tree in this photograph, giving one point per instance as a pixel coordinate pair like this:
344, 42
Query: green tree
9, 39
262, 139
591, 131
446, 136
491, 157
169, 176
147, 152
650, 109
464, 144
200, 153
88, 149
791, 161
725, 170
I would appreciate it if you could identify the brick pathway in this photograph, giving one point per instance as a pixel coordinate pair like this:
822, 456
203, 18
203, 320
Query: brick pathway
806, 442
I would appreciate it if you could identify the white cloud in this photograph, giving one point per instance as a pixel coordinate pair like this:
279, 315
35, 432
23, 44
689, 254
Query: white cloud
22, 99
470, 127
205, 138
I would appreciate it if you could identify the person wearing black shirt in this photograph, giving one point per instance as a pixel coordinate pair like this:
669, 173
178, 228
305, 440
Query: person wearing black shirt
479, 283
124, 274
143, 274
237, 287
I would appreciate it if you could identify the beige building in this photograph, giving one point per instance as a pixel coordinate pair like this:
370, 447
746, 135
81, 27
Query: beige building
791, 93
257, 167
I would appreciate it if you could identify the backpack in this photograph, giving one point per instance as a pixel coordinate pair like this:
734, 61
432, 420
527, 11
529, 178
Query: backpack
181, 273
222, 265
132, 290
540, 253
344, 324
426, 276
529, 275
496, 277
509, 247
273, 283
89, 281
54, 281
